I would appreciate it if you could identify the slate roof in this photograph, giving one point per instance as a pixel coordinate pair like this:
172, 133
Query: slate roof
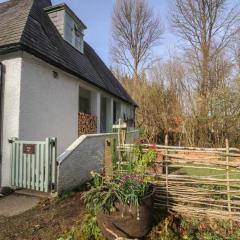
25, 25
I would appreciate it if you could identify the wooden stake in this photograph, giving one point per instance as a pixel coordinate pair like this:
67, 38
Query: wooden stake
122, 133
108, 166
166, 171
119, 144
228, 182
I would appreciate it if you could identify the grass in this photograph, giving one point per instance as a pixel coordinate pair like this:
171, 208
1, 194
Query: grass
203, 171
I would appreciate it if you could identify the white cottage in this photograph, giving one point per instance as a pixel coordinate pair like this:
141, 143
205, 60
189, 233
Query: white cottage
52, 82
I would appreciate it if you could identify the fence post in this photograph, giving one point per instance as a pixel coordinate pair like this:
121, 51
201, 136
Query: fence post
108, 166
228, 181
166, 170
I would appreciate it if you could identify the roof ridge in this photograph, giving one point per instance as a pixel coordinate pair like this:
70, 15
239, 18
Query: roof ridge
30, 8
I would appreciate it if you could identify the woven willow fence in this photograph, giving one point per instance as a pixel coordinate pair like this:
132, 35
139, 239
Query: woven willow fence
194, 181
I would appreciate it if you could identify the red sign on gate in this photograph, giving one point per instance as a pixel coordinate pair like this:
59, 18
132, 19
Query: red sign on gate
29, 148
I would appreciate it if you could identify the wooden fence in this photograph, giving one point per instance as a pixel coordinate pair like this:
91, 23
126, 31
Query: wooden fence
194, 181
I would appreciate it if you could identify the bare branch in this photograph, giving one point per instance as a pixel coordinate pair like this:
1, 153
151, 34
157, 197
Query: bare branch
135, 31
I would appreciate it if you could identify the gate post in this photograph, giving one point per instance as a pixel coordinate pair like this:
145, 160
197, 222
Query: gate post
13, 161
47, 164
53, 156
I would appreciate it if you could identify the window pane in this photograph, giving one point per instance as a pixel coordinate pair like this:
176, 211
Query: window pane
77, 42
116, 112
78, 39
84, 105
69, 29
103, 117
84, 101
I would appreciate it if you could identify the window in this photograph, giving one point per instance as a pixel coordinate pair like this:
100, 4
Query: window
116, 112
73, 33
78, 39
84, 101
69, 27
103, 117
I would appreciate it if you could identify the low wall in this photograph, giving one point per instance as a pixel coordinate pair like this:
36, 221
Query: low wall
83, 156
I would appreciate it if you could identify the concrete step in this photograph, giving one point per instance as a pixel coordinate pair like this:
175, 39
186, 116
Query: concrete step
32, 193
15, 204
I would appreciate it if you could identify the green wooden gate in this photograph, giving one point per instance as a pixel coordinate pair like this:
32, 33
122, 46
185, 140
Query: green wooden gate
33, 164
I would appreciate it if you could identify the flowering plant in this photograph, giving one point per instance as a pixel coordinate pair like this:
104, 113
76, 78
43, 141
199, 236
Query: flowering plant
133, 184
127, 189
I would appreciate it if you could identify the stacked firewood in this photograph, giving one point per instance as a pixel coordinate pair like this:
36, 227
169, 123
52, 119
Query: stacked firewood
87, 124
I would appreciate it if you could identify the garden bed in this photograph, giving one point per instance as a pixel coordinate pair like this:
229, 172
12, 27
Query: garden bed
176, 227
49, 220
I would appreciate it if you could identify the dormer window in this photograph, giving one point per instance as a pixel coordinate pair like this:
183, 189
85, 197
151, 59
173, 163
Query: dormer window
68, 24
78, 38
73, 33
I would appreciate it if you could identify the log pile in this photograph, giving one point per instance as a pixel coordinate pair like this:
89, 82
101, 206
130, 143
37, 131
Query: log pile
87, 124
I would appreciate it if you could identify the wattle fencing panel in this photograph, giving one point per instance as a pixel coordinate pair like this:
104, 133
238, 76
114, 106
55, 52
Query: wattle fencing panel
189, 180
33, 164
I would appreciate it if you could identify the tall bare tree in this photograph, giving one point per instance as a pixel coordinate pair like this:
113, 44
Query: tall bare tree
135, 31
208, 27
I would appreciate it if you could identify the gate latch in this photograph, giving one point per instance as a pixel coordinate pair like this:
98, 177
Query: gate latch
53, 142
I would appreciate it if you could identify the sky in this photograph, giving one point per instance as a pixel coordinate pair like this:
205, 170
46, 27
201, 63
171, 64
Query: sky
96, 14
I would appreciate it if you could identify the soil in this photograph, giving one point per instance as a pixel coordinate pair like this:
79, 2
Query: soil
48, 221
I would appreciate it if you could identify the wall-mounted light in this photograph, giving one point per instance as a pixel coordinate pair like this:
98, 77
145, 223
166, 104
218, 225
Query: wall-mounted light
55, 74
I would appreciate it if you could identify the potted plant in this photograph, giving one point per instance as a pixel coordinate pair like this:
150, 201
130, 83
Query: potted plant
123, 206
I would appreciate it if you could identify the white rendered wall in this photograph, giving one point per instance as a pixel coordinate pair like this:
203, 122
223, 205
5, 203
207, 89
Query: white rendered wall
37, 105
49, 106
11, 102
